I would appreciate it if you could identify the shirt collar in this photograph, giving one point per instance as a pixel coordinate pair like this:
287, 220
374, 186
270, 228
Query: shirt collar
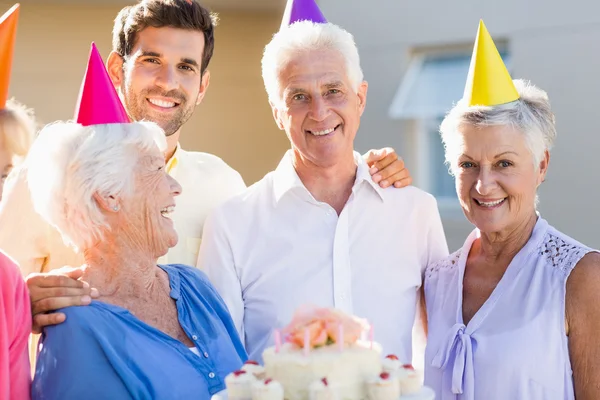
174, 280
286, 178
174, 160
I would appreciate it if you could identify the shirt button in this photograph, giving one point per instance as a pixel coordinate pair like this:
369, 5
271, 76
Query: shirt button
205, 355
194, 337
211, 375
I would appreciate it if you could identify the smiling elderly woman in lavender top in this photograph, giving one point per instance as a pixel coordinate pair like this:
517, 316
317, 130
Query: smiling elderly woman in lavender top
514, 313
156, 331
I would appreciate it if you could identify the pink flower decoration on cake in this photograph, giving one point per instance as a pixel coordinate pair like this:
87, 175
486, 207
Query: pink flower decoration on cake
323, 325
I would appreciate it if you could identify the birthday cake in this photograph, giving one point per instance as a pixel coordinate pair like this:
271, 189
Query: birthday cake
324, 354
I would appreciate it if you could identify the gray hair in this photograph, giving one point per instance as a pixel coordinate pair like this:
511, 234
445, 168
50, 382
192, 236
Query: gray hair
531, 115
307, 36
69, 163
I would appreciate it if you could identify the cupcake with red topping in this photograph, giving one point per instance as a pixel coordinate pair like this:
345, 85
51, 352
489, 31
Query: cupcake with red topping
322, 390
391, 364
269, 389
239, 385
384, 387
410, 380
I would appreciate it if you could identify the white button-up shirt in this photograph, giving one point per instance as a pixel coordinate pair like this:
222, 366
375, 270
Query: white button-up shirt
275, 248
38, 247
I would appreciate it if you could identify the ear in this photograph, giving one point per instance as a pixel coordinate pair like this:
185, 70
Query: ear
543, 167
114, 65
107, 203
276, 115
362, 96
204, 82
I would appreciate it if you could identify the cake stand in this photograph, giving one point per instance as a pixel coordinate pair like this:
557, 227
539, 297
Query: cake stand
424, 394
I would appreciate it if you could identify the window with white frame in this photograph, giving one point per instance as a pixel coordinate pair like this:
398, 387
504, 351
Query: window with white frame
433, 83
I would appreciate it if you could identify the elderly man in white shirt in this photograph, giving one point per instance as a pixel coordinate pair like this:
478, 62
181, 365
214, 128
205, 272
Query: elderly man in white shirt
317, 229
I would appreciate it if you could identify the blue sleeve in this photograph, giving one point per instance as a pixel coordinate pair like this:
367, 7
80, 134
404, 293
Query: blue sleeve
72, 365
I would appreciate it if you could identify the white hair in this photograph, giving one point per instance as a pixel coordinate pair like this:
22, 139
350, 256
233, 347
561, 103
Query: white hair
68, 163
306, 36
531, 115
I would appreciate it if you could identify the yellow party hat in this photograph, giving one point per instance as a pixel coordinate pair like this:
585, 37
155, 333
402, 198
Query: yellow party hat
488, 82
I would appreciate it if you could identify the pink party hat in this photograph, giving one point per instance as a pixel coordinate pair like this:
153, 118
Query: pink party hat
98, 101
302, 10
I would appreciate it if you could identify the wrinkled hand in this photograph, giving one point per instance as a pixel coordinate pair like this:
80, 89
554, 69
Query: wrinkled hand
54, 290
387, 168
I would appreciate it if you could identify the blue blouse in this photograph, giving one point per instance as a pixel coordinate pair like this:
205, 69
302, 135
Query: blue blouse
102, 351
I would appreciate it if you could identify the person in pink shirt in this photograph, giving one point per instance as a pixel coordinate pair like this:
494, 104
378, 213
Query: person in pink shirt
15, 308
15, 326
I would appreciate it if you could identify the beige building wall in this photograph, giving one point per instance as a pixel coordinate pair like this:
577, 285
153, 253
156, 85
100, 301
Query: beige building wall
554, 43
234, 121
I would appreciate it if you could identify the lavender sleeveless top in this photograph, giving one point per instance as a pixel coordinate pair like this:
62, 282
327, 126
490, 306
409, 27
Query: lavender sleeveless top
515, 346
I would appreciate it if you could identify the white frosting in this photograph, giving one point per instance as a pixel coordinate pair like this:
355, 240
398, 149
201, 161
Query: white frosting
257, 370
347, 370
383, 389
239, 387
410, 381
267, 391
319, 391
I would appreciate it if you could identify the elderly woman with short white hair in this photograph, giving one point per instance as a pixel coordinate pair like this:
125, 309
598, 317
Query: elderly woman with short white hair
156, 331
514, 313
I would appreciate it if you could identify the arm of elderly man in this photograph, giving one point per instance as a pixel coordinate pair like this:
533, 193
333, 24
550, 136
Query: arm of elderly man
15, 326
583, 324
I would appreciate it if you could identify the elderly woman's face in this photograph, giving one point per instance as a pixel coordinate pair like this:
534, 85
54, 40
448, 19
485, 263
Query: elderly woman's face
496, 179
152, 203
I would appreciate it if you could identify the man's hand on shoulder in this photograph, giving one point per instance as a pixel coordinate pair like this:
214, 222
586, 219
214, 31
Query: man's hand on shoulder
55, 290
387, 169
